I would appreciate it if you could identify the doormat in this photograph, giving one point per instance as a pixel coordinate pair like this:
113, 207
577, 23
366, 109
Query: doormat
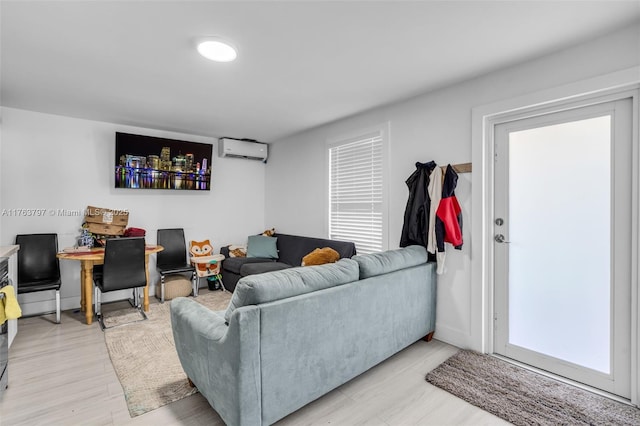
523, 397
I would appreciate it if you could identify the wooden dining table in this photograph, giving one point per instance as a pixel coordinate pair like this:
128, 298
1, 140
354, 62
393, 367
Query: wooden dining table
95, 256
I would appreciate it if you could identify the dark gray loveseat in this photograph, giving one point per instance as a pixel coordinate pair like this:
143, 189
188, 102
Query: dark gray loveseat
291, 250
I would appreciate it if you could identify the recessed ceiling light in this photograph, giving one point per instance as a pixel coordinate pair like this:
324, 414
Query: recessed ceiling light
217, 50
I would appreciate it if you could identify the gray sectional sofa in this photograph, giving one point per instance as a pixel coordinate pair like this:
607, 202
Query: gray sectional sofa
290, 336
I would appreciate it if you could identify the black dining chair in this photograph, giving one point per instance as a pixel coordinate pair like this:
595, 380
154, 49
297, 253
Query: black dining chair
173, 259
38, 266
123, 269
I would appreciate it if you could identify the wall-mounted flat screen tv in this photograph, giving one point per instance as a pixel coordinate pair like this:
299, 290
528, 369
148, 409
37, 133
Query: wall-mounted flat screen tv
147, 162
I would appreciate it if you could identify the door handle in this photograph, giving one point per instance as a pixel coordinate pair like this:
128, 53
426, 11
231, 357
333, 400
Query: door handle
500, 239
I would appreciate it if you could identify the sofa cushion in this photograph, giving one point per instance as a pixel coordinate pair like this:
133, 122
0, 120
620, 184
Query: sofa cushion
382, 263
234, 264
262, 246
261, 268
262, 288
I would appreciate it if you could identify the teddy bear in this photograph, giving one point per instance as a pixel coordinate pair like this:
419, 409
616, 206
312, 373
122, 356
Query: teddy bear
320, 256
269, 232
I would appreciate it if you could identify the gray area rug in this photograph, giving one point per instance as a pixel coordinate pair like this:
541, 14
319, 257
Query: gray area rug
144, 357
523, 397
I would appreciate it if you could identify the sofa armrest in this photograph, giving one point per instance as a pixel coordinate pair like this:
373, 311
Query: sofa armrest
189, 318
222, 361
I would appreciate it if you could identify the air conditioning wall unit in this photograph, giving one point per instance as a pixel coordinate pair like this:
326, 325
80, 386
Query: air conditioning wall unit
237, 148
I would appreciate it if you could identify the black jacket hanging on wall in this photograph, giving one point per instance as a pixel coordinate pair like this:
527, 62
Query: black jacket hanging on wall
416, 214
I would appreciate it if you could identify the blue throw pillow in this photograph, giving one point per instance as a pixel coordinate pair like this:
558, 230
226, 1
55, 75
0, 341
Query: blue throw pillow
261, 246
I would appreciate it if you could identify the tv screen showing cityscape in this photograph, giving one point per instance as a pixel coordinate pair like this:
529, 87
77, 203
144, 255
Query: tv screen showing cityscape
147, 162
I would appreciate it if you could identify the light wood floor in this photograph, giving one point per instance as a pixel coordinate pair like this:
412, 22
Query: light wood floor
62, 375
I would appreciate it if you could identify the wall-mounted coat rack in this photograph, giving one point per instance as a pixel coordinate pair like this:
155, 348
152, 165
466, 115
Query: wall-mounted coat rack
459, 168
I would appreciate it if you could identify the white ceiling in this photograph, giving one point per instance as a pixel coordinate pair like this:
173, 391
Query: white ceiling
300, 64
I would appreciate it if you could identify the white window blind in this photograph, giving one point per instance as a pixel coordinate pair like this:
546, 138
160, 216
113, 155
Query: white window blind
356, 192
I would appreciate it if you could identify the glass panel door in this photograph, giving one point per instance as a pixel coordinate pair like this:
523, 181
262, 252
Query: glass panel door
562, 251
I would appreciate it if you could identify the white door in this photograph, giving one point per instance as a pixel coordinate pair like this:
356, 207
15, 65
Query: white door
562, 243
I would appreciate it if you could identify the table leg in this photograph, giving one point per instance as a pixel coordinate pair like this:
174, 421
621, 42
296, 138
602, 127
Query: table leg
145, 305
87, 278
83, 305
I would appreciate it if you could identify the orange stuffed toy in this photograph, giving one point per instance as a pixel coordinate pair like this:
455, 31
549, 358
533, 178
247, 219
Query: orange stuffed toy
269, 232
199, 249
320, 256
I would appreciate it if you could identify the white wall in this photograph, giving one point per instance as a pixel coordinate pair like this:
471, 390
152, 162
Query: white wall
54, 162
434, 126
1, 156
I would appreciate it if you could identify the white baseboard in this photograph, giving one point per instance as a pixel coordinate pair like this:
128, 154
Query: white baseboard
453, 336
37, 307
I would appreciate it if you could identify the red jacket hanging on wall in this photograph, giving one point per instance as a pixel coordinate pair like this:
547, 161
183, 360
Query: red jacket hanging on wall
448, 217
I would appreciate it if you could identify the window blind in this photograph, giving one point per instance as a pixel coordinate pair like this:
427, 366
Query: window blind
356, 193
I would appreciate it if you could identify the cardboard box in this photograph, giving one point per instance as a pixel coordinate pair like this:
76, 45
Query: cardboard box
102, 229
99, 215
101, 221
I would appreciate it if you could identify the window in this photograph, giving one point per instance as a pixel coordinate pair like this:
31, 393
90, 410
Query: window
357, 198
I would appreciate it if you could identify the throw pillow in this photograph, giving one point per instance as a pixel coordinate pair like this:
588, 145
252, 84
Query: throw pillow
320, 256
237, 251
269, 232
261, 246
